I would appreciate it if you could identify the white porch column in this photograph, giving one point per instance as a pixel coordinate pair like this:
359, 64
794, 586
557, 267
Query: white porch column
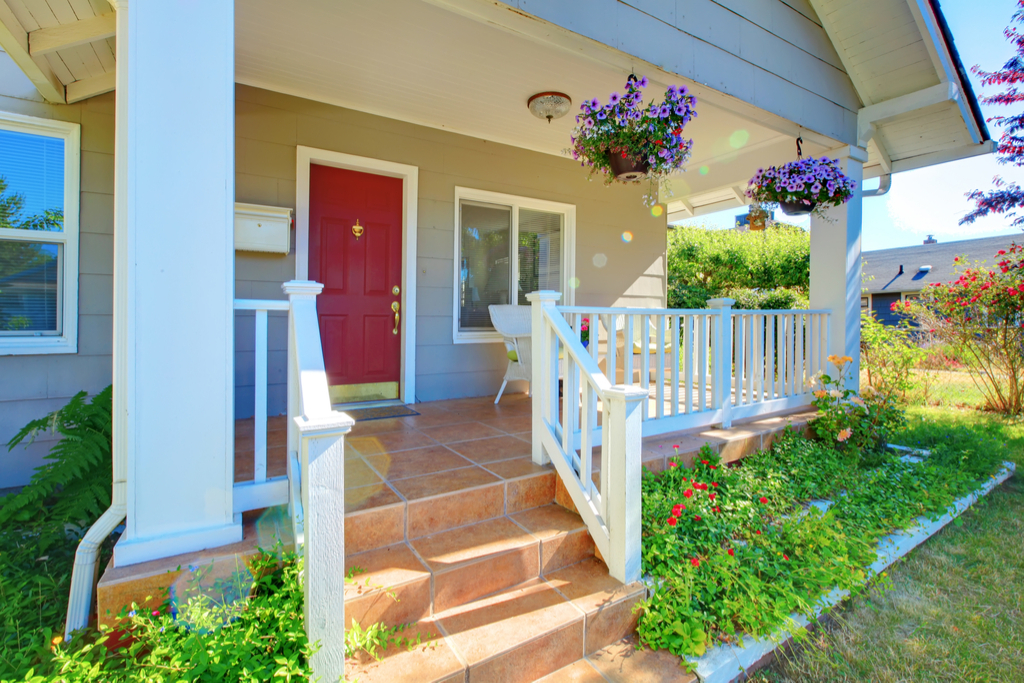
836, 264
174, 276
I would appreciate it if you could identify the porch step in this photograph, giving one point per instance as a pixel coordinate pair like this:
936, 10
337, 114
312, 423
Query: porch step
410, 581
519, 634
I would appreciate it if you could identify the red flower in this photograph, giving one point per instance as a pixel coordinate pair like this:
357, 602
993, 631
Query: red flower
712, 467
696, 518
711, 496
715, 509
672, 521
715, 484
688, 493
704, 462
695, 562
673, 463
785, 557
677, 509
758, 532
762, 499
731, 552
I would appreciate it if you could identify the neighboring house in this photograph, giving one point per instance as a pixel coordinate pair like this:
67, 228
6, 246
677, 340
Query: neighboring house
893, 275
396, 134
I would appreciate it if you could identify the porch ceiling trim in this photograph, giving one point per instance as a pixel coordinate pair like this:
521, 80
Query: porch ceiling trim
15, 41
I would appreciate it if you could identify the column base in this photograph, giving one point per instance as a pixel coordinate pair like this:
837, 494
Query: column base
133, 551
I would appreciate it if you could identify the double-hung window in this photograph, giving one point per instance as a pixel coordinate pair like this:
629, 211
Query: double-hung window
39, 174
505, 248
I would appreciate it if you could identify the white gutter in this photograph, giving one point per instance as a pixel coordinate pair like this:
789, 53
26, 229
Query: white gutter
884, 185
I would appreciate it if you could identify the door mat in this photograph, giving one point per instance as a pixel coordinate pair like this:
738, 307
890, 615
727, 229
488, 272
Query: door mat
363, 414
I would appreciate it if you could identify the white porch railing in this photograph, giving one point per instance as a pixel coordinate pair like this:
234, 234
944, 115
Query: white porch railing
314, 488
673, 370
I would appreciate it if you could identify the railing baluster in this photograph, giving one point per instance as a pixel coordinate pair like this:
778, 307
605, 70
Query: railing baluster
627, 349
757, 365
737, 356
260, 416
702, 362
586, 466
645, 360
611, 328
659, 385
675, 363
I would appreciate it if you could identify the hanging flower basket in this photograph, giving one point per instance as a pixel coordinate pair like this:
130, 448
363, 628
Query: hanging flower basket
626, 140
801, 187
626, 169
797, 209
757, 218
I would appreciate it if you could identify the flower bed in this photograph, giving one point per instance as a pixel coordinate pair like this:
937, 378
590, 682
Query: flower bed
738, 550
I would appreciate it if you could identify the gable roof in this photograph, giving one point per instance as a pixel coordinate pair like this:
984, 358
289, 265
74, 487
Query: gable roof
882, 266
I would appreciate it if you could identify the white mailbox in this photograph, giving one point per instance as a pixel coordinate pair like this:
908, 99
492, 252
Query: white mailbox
262, 228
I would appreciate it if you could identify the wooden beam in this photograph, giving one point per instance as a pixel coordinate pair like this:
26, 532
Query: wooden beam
942, 156
47, 40
90, 87
904, 104
14, 41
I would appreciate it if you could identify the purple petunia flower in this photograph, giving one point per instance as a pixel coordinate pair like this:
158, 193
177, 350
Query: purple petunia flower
589, 123
816, 188
594, 103
614, 98
601, 115
665, 111
680, 109
643, 82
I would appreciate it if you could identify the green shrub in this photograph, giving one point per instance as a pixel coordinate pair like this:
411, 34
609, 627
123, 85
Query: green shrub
78, 467
736, 550
776, 299
888, 354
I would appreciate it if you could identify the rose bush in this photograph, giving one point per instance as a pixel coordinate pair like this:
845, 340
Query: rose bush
980, 316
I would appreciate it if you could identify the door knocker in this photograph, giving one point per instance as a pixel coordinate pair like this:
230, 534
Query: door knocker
357, 229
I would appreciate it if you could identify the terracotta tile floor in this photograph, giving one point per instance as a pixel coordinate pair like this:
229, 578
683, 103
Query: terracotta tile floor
465, 443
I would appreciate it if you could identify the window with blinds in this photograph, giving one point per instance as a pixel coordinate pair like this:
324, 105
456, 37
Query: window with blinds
506, 248
38, 234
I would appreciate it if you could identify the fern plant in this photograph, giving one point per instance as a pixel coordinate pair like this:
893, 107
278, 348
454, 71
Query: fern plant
78, 466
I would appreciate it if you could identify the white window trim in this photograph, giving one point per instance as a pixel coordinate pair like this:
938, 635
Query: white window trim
67, 341
516, 202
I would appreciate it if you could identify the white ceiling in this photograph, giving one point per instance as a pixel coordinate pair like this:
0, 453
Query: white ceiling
414, 61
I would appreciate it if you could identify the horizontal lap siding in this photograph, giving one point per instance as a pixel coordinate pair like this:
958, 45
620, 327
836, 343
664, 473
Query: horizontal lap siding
32, 386
745, 48
268, 127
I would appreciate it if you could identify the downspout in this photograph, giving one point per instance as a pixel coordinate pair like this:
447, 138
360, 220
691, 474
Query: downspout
85, 572
884, 185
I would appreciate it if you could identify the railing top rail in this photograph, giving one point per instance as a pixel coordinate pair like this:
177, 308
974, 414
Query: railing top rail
781, 311
261, 305
575, 349
637, 311
605, 310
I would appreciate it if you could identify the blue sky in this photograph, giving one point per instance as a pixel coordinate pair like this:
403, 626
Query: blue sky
33, 166
931, 200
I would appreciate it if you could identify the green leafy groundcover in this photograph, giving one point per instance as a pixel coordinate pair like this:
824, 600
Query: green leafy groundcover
736, 550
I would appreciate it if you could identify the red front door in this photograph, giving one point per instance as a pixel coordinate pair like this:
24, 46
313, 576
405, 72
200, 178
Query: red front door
361, 274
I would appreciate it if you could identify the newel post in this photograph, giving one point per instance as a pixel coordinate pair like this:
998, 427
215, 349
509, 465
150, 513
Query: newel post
624, 406
322, 454
722, 344
545, 368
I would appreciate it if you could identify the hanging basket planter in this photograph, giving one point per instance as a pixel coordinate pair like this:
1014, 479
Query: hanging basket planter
797, 208
627, 140
627, 170
803, 186
757, 218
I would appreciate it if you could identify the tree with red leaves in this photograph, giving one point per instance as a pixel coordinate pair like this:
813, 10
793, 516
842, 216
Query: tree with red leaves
1007, 197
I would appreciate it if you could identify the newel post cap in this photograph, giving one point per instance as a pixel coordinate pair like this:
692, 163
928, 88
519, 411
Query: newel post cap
721, 303
302, 288
543, 295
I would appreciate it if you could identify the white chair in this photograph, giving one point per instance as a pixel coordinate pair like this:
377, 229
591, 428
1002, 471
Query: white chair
513, 323
618, 324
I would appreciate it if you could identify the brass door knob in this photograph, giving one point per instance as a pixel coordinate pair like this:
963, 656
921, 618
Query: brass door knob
395, 307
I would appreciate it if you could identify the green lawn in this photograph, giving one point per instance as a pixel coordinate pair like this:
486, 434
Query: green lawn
954, 609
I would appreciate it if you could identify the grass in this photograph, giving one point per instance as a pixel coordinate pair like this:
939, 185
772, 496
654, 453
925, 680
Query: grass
954, 609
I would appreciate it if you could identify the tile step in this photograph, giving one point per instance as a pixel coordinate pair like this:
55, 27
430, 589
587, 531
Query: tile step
516, 635
413, 580
381, 515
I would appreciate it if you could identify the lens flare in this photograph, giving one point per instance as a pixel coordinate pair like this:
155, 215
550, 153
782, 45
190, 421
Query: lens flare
600, 260
627, 237
657, 210
703, 170
574, 282
739, 138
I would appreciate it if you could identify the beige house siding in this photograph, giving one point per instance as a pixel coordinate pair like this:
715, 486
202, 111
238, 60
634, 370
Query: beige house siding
269, 125
31, 386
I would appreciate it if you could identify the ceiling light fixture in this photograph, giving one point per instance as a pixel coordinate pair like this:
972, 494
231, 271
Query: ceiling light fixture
549, 105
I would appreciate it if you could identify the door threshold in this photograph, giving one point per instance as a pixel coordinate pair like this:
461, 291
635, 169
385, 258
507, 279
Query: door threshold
368, 404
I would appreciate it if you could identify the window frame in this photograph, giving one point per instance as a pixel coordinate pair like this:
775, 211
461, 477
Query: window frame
516, 203
66, 341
